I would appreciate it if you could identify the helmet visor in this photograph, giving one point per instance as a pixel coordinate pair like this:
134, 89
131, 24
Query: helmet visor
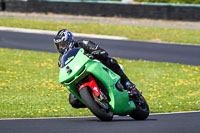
63, 45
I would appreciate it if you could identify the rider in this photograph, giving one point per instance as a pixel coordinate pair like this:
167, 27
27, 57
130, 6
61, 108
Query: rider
64, 40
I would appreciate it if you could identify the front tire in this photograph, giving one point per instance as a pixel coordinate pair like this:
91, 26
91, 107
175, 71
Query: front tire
94, 107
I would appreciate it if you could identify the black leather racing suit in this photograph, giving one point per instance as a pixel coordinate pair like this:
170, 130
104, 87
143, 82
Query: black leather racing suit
101, 55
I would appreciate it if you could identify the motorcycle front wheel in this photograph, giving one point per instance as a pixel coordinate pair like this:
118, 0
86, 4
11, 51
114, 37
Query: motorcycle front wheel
100, 112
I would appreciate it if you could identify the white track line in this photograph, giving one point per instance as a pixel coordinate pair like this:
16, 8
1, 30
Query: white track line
46, 32
48, 118
172, 113
83, 117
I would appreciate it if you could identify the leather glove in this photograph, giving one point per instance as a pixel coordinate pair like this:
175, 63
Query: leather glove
90, 56
99, 54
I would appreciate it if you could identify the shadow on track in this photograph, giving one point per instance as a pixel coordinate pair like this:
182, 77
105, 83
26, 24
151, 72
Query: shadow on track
121, 119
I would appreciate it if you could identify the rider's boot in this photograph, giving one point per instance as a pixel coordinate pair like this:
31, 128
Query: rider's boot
132, 90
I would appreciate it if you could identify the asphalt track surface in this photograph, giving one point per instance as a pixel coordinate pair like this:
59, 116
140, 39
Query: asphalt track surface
165, 123
183, 54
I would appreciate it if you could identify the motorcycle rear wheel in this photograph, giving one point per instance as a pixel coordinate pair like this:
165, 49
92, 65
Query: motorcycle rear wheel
94, 107
142, 110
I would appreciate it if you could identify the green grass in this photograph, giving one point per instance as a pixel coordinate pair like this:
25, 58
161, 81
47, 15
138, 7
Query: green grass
29, 85
131, 32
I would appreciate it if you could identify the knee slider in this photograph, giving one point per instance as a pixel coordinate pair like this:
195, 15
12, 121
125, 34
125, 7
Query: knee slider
75, 103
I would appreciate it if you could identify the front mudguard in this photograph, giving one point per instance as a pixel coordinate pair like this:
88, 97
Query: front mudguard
93, 86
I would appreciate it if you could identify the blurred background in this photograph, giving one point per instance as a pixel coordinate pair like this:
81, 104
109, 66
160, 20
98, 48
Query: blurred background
152, 9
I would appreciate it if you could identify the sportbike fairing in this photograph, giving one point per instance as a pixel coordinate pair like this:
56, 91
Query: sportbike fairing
69, 56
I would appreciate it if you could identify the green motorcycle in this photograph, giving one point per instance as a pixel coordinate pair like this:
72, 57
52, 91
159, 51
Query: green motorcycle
99, 88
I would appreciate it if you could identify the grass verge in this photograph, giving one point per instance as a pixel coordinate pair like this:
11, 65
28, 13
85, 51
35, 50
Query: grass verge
131, 32
29, 85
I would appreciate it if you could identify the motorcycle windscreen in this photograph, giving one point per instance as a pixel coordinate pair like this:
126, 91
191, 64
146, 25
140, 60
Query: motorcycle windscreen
69, 56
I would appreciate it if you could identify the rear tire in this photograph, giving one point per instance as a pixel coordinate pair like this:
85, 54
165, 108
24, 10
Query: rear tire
142, 110
94, 107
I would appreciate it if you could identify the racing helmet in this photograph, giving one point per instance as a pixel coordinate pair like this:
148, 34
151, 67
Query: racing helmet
63, 40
